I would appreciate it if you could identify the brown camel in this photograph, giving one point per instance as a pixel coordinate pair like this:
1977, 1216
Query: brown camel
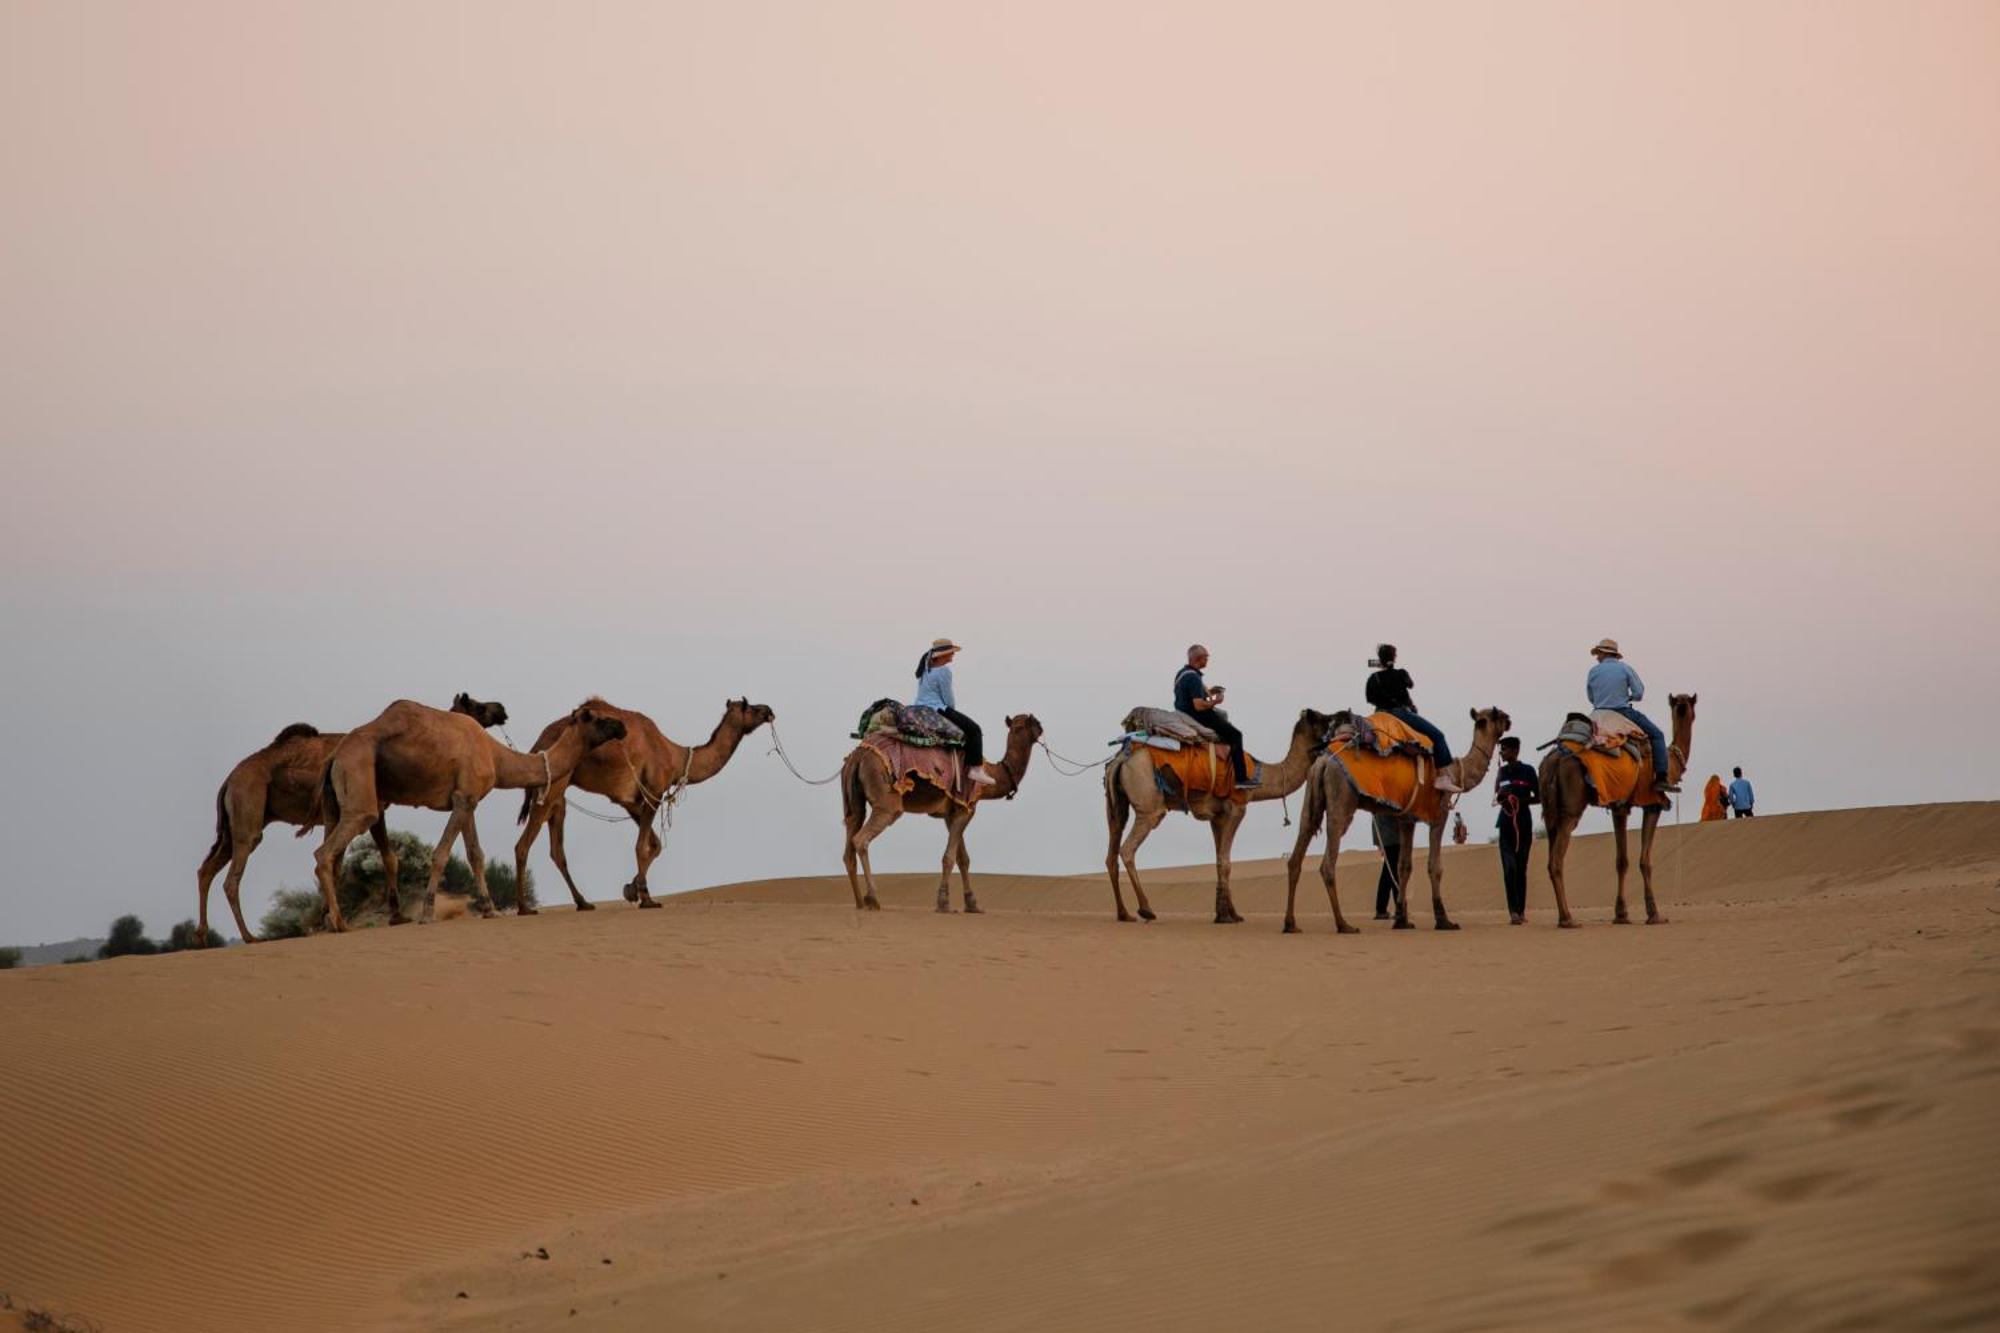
1565, 796
1331, 800
413, 755
637, 774
280, 784
869, 803
1131, 791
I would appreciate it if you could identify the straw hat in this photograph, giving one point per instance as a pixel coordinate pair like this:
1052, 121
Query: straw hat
945, 646
1609, 647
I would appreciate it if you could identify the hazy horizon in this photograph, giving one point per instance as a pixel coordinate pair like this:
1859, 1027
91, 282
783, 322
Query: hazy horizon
679, 352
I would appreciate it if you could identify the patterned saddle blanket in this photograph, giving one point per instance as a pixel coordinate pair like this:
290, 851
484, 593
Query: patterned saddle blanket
914, 723
907, 764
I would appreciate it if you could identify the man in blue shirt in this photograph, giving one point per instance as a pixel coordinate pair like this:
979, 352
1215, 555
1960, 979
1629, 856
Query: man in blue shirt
1742, 797
1203, 703
1616, 686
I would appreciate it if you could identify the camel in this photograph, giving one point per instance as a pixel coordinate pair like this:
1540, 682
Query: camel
1131, 791
280, 784
870, 803
1331, 799
1565, 796
413, 755
638, 774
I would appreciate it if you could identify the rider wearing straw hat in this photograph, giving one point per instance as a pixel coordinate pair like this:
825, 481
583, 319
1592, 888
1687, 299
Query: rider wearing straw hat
1614, 685
934, 691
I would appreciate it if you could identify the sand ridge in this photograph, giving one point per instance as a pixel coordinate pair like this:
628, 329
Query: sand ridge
766, 1109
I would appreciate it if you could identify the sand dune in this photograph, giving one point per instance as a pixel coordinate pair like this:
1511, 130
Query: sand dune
760, 1109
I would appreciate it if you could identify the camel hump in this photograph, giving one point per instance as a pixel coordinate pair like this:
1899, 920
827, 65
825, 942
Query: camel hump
292, 733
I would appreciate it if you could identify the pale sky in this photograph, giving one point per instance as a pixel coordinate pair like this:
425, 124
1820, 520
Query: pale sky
675, 351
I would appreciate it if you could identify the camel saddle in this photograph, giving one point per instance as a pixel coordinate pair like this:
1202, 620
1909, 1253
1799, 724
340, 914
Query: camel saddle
1389, 765
1152, 723
1383, 733
1616, 755
915, 724
1604, 730
1181, 771
907, 763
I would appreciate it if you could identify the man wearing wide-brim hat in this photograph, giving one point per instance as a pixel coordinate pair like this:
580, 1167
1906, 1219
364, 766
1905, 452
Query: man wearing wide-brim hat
1613, 684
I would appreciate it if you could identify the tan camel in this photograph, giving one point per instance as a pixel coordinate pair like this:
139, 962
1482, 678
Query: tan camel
1331, 800
637, 774
413, 755
1132, 792
870, 803
280, 784
1565, 796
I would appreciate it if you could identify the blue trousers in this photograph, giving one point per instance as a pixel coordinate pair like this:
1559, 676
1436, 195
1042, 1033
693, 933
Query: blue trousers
1653, 734
1440, 747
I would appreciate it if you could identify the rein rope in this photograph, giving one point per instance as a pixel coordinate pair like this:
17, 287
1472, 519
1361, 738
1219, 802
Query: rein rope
1067, 767
778, 749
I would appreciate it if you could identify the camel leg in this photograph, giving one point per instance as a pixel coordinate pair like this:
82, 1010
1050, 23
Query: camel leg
1649, 824
850, 826
1224, 828
972, 906
878, 822
950, 860
1337, 820
1143, 824
211, 865
644, 854
1558, 852
1309, 821
1435, 865
475, 856
558, 813
392, 870
439, 857
326, 863
1117, 809
523, 845
1620, 816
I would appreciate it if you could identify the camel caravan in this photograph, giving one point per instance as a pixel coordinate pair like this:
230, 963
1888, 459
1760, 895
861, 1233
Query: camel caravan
926, 757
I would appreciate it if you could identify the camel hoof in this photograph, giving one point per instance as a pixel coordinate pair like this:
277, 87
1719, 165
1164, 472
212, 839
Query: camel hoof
1291, 928
1344, 929
586, 906
648, 902
1124, 917
631, 893
1567, 924
943, 910
1656, 920
871, 904
1146, 914
399, 920
526, 911
1402, 923
485, 914
1621, 920
974, 909
1445, 923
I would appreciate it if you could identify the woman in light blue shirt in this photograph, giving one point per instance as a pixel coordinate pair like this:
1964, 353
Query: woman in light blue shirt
934, 691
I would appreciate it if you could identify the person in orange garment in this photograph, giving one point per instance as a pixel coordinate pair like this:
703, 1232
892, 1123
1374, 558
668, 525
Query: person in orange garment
1714, 799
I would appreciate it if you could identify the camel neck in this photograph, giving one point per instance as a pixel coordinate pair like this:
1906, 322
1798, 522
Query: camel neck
704, 761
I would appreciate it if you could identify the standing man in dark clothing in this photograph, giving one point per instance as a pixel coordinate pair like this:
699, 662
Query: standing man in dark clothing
1516, 790
1389, 690
1203, 703
1389, 837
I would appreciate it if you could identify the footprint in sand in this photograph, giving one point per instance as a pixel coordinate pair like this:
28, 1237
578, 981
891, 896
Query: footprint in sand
1798, 1188
1688, 1250
1871, 1114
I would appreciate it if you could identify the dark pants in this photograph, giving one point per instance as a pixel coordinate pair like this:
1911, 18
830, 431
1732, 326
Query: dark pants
1224, 728
1440, 747
1743, 814
1654, 735
975, 739
1517, 842
1387, 837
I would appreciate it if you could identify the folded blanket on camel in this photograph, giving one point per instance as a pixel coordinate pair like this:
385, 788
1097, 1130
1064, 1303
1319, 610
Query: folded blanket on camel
1199, 769
906, 763
1389, 763
1170, 723
915, 723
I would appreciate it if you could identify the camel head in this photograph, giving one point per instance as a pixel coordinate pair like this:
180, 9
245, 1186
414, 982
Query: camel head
1492, 722
1316, 726
748, 716
1026, 725
485, 714
596, 728
1682, 707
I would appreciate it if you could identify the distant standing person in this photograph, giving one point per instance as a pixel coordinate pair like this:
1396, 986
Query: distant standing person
1516, 790
1457, 829
1742, 796
1203, 702
934, 690
1714, 799
1614, 685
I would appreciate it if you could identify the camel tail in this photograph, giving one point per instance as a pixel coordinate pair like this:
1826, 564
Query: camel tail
223, 846
1312, 813
527, 804
326, 808
852, 797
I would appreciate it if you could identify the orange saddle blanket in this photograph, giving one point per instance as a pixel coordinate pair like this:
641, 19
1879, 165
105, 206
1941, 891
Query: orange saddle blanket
942, 768
1405, 782
1617, 777
1392, 734
1201, 769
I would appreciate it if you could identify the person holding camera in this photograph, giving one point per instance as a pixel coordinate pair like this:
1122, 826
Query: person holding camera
1203, 702
1389, 690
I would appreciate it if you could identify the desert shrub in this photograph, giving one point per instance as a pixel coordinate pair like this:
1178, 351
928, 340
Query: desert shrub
293, 912
183, 936
79, 958
128, 936
364, 889
9, 958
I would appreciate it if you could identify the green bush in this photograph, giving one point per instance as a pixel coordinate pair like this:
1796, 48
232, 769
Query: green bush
364, 891
182, 936
128, 936
9, 958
